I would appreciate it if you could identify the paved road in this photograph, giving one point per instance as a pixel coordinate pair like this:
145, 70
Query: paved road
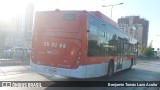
143, 71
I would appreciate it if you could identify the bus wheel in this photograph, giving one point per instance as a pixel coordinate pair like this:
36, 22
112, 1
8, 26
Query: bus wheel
131, 64
110, 69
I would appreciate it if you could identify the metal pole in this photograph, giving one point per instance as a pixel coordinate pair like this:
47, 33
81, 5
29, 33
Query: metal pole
111, 7
111, 11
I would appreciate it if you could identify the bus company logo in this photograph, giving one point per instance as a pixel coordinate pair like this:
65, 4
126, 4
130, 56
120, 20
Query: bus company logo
6, 84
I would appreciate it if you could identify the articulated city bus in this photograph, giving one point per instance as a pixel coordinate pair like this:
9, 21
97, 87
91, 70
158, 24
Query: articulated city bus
79, 44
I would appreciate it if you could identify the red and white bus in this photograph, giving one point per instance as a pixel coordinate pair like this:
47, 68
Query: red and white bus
79, 44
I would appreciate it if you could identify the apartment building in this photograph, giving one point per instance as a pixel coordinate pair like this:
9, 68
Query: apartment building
136, 27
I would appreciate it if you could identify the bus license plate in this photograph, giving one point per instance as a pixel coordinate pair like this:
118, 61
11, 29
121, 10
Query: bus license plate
52, 70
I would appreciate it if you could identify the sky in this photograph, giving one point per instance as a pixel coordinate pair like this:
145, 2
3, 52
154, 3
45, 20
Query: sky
148, 9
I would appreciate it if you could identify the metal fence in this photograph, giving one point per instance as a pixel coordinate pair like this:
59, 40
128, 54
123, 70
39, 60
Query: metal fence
14, 58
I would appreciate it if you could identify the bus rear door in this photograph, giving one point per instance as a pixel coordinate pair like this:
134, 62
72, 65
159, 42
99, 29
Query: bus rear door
120, 53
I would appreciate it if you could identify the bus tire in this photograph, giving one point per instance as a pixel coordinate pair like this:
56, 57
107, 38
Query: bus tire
110, 69
131, 64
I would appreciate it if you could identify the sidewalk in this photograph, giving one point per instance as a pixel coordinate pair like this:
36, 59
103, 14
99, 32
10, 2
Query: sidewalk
12, 70
20, 73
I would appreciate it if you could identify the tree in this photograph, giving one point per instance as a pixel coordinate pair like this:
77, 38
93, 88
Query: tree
142, 50
149, 52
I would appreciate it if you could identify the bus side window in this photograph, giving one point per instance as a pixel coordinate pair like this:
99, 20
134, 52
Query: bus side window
126, 49
69, 17
101, 42
111, 46
92, 40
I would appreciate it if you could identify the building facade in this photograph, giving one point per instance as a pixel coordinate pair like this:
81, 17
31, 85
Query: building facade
136, 27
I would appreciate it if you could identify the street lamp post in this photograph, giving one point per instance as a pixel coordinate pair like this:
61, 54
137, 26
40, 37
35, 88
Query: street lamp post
112, 7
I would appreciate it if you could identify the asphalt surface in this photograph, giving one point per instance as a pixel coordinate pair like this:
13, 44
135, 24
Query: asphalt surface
145, 70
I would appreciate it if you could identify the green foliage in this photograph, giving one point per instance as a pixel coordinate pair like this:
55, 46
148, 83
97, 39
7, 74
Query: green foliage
147, 51
142, 50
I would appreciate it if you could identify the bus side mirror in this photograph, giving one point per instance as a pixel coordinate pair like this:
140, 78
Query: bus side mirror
87, 30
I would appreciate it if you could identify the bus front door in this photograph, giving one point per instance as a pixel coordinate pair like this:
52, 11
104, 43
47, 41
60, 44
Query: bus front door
119, 54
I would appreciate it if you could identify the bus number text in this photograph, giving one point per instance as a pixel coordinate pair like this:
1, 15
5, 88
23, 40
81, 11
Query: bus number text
55, 45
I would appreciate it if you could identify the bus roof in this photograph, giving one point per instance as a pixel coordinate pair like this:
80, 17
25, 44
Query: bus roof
99, 16
105, 18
